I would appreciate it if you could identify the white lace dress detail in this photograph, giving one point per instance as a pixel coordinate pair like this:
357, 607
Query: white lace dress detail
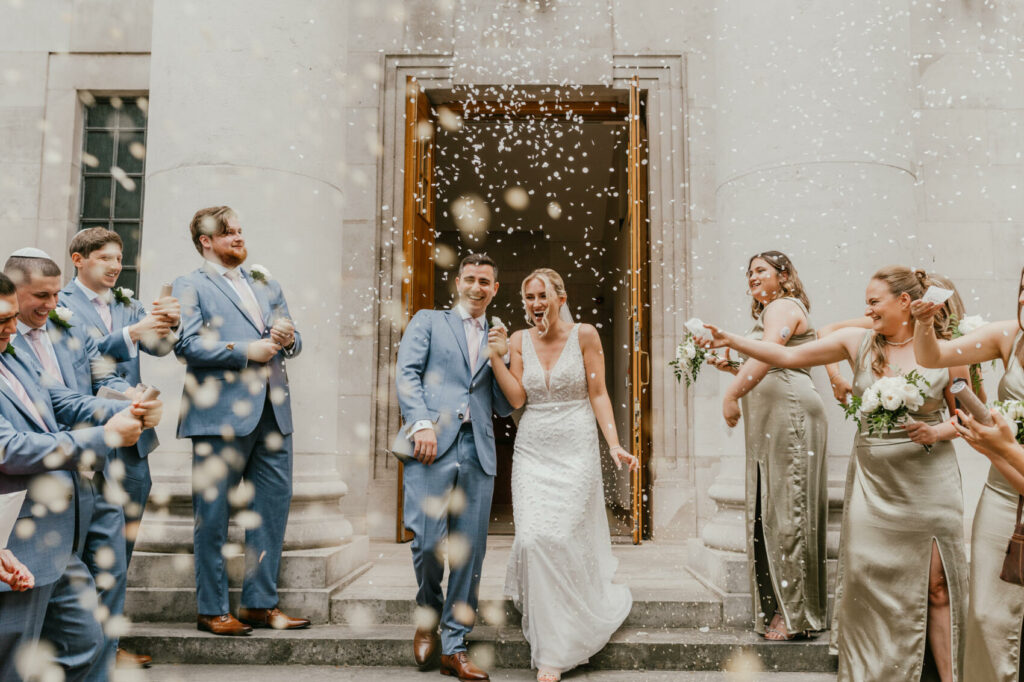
561, 568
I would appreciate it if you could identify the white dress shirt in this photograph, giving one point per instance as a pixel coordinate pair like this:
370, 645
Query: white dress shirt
105, 299
238, 284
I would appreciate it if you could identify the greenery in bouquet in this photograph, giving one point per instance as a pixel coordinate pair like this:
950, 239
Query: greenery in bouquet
888, 402
1013, 412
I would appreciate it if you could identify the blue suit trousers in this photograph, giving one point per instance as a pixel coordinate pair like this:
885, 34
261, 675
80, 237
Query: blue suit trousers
263, 458
457, 474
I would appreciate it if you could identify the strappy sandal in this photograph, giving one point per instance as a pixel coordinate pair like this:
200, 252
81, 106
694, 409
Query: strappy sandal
548, 676
780, 636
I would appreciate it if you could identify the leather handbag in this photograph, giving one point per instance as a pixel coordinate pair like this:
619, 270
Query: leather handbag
1013, 563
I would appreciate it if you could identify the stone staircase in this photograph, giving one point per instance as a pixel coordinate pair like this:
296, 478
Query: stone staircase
677, 623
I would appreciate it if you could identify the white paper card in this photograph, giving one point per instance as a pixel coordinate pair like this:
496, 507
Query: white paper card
10, 505
936, 295
695, 326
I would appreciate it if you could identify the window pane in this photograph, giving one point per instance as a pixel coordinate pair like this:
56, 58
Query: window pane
100, 115
129, 233
131, 153
101, 145
131, 116
128, 204
96, 199
129, 278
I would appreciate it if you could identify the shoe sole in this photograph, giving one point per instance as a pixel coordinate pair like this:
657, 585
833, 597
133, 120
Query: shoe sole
264, 626
449, 673
223, 634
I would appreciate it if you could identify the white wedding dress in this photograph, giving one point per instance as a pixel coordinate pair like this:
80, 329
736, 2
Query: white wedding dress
560, 571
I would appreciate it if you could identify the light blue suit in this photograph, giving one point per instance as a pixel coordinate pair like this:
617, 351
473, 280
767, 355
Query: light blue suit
53, 608
435, 382
84, 371
253, 402
137, 481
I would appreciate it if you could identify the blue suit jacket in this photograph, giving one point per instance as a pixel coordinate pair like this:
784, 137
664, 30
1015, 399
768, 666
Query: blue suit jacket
81, 363
434, 382
27, 454
112, 345
221, 385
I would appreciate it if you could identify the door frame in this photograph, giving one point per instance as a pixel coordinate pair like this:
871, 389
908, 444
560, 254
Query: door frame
661, 81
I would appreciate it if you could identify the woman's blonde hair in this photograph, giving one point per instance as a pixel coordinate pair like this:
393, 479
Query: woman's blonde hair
792, 287
902, 280
554, 288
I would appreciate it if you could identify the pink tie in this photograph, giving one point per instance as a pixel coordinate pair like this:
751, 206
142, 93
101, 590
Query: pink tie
474, 343
35, 337
248, 300
19, 390
103, 309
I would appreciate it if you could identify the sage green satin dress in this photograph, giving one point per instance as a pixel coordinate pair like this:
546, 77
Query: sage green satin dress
787, 495
900, 499
996, 613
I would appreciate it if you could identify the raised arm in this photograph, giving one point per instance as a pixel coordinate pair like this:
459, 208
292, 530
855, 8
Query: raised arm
837, 347
781, 320
593, 365
510, 379
841, 388
991, 342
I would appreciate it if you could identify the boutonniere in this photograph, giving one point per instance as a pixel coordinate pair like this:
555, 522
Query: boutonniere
10, 350
61, 317
123, 295
259, 273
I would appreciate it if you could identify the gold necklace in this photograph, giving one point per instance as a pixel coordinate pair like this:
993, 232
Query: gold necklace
901, 343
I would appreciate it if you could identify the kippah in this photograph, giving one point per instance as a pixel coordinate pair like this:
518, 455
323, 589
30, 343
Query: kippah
31, 252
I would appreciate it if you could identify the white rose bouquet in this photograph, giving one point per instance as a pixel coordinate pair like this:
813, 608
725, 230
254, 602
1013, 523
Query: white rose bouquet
690, 357
1013, 412
888, 402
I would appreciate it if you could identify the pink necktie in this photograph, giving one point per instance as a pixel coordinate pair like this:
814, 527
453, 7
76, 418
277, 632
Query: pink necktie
35, 338
19, 390
248, 300
473, 338
103, 308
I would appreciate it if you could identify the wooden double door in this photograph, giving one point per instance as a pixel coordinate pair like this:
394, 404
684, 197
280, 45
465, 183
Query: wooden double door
419, 244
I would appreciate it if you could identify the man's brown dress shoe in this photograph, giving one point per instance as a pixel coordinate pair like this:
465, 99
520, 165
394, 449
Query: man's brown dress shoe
126, 659
271, 618
425, 647
458, 665
225, 624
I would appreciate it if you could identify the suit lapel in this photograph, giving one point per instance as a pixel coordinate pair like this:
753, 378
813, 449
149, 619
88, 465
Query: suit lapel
65, 362
117, 313
84, 305
459, 330
34, 391
221, 283
481, 356
260, 292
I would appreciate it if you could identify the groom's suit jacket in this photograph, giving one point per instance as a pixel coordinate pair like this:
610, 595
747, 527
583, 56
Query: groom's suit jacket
215, 332
28, 453
435, 383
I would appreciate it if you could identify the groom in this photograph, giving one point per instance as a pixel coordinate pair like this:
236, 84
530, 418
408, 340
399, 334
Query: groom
447, 393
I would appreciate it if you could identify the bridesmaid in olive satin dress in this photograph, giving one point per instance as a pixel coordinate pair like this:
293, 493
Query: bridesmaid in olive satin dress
996, 614
901, 590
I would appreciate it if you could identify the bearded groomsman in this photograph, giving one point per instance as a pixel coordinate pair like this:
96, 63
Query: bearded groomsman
236, 333
70, 359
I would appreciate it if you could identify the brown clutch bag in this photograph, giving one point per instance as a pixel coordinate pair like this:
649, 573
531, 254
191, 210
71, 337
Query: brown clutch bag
1013, 564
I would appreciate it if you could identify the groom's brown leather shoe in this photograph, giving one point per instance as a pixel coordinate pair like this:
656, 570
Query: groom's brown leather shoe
426, 644
225, 624
271, 618
458, 665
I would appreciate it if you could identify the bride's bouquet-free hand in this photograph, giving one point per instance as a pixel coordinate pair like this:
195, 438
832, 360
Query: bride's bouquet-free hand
888, 402
1013, 412
690, 356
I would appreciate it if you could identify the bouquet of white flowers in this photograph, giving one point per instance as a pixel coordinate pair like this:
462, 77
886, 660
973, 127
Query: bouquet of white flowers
689, 356
1013, 411
888, 402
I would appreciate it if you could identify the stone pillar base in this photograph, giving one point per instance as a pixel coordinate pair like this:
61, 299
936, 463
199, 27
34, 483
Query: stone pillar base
163, 587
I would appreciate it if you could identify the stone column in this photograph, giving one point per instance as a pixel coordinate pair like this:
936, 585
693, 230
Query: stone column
247, 110
814, 159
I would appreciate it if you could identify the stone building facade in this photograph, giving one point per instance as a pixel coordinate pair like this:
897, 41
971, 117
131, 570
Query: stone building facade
847, 135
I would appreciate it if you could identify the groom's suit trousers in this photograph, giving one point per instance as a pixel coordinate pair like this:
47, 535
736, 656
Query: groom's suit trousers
432, 516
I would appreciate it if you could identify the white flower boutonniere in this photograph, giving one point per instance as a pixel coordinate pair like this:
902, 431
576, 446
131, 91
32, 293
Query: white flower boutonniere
61, 316
259, 273
123, 295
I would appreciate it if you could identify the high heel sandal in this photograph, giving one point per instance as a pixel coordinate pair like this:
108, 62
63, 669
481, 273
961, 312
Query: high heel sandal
548, 675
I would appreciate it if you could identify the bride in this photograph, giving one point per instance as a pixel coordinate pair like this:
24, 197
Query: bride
561, 567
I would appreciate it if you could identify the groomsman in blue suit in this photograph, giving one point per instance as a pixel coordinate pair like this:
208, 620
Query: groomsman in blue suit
236, 333
121, 328
447, 394
41, 455
69, 358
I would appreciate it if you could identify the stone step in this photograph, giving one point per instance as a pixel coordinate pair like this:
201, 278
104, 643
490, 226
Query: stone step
690, 605
162, 586
491, 647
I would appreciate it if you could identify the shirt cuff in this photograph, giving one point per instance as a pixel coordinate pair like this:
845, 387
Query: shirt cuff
133, 348
419, 426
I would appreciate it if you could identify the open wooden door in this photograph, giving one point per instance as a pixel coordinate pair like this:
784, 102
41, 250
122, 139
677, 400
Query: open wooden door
639, 313
417, 228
